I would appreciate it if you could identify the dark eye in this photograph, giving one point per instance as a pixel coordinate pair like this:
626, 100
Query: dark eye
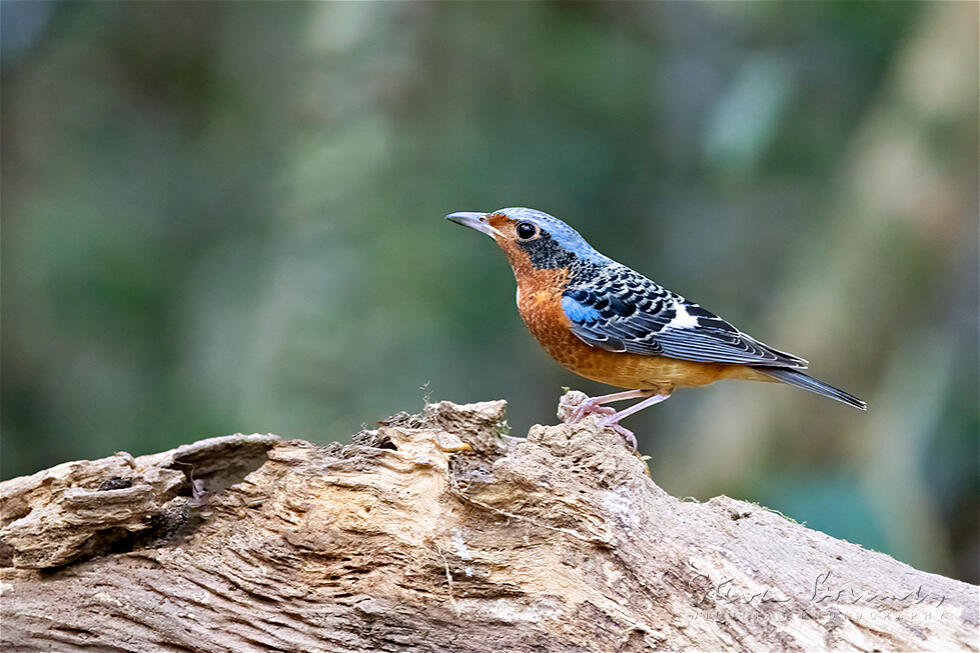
526, 230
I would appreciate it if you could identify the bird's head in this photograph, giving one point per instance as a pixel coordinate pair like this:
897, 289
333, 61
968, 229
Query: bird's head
531, 238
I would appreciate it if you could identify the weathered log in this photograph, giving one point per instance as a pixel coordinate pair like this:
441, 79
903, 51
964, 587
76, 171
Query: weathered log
437, 532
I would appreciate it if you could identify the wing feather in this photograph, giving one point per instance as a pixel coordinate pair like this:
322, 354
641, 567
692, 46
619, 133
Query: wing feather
621, 310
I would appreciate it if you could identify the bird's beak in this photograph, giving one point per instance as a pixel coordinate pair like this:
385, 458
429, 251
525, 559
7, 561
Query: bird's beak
473, 220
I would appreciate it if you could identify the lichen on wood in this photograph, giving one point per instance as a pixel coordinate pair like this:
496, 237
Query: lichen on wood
437, 532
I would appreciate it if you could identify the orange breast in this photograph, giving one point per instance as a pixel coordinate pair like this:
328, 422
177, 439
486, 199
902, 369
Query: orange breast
539, 302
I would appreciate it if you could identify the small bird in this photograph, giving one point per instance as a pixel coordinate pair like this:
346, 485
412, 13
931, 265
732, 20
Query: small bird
609, 323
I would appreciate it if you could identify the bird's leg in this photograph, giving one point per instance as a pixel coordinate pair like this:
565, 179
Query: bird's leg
612, 421
627, 435
593, 404
637, 407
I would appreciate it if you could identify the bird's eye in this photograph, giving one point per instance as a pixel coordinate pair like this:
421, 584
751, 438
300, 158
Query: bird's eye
527, 230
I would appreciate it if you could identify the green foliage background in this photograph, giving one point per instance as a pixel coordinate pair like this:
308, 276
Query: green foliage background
223, 217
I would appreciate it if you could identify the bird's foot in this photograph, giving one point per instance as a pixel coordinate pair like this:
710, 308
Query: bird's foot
588, 407
614, 425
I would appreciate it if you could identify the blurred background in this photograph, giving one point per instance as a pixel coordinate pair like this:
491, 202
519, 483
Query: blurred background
223, 217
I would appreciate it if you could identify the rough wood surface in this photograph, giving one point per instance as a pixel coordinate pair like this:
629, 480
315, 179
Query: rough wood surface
436, 532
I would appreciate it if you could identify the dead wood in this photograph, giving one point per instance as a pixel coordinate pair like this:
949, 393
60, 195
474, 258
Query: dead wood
436, 532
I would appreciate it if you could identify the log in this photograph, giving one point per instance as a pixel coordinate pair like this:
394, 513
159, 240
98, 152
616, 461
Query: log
437, 532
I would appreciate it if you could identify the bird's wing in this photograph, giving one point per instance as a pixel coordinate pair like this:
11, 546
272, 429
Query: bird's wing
621, 310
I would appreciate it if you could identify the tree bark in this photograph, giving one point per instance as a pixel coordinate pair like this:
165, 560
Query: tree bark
437, 532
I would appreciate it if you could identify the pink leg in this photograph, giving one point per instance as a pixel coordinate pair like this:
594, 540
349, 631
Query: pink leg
612, 421
593, 405
627, 435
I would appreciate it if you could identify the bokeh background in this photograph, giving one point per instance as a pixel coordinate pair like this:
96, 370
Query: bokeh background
223, 217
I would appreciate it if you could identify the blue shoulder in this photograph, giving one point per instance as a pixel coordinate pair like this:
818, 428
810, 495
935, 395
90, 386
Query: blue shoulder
577, 311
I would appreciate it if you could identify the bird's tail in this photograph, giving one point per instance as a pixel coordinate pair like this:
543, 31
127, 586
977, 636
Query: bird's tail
801, 380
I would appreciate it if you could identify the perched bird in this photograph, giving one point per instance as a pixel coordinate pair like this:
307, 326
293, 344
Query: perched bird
611, 324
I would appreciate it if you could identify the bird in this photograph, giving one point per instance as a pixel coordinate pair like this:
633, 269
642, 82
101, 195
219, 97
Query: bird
606, 322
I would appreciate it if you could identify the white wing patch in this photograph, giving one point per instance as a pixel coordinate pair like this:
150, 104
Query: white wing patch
683, 319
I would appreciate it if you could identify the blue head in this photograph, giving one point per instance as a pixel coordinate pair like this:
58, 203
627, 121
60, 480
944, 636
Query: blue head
530, 237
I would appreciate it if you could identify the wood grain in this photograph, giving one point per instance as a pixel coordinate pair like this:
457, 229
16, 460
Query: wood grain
435, 532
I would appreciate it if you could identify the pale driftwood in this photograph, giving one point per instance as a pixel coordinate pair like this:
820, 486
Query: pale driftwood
436, 532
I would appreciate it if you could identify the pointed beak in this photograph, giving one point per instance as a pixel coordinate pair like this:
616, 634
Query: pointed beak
473, 220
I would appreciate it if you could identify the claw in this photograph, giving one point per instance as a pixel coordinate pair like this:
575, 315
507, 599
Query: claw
622, 430
611, 418
588, 407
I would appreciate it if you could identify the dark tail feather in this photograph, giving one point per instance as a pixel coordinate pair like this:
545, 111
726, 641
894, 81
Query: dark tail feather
801, 380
